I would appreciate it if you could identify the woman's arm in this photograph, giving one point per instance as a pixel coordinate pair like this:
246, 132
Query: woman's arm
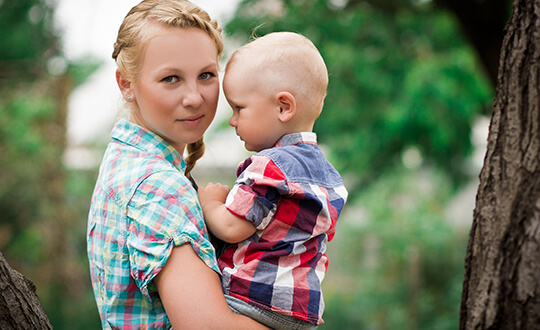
192, 296
222, 223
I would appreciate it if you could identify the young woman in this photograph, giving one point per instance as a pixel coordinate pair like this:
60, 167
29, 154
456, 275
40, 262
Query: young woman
152, 265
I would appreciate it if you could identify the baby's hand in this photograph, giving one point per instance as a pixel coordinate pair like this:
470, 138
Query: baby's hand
213, 192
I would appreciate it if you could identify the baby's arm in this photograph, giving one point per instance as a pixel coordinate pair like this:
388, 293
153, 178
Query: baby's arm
220, 221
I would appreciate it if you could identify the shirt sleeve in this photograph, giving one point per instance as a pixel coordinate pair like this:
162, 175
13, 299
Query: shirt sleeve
257, 190
164, 212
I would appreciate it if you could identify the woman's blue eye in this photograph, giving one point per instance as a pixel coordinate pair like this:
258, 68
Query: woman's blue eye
170, 79
206, 75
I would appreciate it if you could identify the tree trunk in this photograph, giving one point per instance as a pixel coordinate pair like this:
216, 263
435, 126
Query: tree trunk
19, 304
501, 289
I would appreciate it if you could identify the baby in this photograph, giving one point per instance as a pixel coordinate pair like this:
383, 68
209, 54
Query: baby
283, 207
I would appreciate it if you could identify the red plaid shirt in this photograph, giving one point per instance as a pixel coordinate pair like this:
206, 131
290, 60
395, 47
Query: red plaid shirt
293, 196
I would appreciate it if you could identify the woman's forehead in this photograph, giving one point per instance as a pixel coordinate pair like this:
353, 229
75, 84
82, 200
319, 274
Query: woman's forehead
180, 47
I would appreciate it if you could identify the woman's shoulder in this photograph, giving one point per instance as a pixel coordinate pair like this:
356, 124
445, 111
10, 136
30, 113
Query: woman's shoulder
124, 168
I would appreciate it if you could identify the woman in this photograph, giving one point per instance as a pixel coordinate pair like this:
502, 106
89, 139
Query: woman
152, 265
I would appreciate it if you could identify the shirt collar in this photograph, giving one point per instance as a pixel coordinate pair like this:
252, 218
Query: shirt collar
147, 141
297, 138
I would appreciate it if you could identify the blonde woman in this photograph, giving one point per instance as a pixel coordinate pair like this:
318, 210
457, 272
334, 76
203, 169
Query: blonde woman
152, 265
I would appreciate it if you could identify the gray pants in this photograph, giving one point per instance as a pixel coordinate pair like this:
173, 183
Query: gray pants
271, 319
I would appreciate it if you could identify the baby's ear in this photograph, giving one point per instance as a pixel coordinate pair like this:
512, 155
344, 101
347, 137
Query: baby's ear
287, 106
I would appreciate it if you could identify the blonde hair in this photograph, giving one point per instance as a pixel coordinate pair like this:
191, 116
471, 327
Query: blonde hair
136, 30
287, 60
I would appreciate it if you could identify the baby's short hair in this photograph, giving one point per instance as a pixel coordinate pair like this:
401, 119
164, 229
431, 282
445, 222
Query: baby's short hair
287, 60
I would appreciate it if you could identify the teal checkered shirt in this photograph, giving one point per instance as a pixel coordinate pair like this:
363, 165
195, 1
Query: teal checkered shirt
143, 205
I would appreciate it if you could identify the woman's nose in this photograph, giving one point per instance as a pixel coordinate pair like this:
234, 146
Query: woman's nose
192, 97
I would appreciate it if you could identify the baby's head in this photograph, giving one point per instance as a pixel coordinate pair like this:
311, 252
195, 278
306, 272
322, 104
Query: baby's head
285, 61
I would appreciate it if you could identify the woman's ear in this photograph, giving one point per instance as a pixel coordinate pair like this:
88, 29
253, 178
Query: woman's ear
125, 87
287, 106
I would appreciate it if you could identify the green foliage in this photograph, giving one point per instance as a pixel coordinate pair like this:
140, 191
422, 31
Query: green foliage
22, 149
42, 231
80, 311
43, 221
401, 76
27, 38
83, 69
396, 262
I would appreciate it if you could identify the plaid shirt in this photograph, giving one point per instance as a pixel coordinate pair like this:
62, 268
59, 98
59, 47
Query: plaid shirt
293, 196
143, 205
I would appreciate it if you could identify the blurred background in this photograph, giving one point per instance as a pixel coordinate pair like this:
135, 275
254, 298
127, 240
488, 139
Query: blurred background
405, 122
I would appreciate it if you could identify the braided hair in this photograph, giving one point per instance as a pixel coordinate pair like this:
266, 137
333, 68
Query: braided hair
134, 33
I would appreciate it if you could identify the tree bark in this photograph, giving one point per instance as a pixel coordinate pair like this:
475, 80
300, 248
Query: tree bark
20, 307
502, 268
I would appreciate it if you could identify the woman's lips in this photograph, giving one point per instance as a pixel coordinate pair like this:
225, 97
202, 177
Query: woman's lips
192, 121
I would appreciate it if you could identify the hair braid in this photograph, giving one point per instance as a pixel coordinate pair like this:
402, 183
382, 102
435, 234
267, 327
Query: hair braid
195, 152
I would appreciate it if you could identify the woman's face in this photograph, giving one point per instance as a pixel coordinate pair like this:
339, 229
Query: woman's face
176, 91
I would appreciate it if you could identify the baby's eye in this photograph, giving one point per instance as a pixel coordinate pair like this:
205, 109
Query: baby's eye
206, 75
170, 79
